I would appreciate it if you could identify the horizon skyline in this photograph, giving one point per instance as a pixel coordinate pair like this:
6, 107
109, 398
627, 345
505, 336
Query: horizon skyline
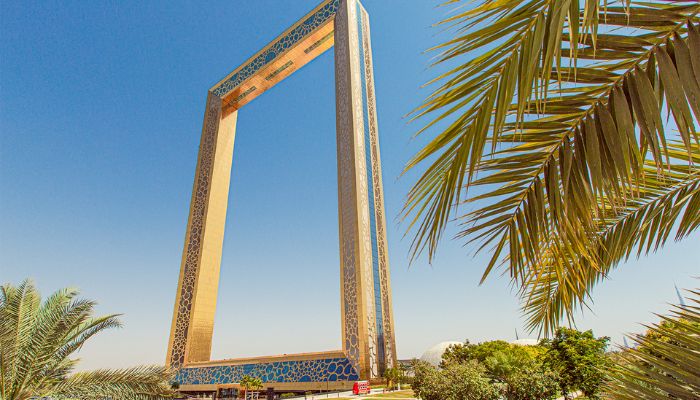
112, 205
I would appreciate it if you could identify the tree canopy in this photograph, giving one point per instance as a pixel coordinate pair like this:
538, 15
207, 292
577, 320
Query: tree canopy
37, 340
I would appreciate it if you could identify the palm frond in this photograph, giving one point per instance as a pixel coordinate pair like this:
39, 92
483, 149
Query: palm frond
18, 310
665, 362
477, 94
572, 141
37, 338
660, 206
140, 383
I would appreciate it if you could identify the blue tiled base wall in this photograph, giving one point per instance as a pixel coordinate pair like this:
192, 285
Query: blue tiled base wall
321, 370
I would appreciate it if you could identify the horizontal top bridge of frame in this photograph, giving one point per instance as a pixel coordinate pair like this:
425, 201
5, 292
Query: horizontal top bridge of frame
302, 42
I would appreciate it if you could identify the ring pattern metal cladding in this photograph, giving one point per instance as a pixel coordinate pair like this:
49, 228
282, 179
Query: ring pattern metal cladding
366, 196
346, 172
381, 271
195, 230
323, 370
367, 323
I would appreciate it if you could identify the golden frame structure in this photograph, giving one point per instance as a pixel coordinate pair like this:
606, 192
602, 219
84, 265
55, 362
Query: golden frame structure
368, 344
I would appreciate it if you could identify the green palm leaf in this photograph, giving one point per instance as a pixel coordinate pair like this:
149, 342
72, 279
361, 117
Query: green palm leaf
556, 118
664, 364
659, 207
37, 338
140, 383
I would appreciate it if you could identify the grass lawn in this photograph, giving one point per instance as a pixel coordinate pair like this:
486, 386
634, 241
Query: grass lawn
400, 394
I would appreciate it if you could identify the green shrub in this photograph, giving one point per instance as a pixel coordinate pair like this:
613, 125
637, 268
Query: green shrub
393, 377
457, 381
470, 382
579, 359
467, 351
504, 363
494, 355
426, 380
531, 384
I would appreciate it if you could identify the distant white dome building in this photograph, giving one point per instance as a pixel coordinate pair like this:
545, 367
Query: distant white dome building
434, 354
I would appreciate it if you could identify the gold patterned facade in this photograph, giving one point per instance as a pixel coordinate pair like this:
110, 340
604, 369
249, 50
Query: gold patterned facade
368, 344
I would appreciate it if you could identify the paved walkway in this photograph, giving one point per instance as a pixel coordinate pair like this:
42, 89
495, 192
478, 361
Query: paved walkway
387, 396
348, 394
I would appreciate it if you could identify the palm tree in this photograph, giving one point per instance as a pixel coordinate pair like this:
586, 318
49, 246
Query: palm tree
567, 135
248, 382
37, 339
658, 367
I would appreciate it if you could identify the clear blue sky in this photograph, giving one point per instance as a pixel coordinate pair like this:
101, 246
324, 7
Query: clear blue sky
101, 108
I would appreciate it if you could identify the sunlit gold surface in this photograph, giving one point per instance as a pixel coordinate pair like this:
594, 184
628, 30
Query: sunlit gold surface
262, 80
197, 346
195, 305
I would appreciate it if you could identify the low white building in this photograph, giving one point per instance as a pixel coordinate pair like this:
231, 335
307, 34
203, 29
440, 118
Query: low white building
434, 354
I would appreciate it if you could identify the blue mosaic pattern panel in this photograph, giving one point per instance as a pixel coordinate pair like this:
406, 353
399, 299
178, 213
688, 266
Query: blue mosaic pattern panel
322, 370
317, 19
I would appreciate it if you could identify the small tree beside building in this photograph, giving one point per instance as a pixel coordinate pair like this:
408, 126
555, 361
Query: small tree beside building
250, 383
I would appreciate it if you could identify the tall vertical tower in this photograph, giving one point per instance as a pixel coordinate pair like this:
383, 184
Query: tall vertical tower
368, 345
363, 254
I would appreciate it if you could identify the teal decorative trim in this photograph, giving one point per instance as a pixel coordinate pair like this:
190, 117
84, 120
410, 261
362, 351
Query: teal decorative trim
279, 70
280, 46
318, 43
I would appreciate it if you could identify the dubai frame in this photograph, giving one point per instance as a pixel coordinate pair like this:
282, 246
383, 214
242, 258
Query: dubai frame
368, 345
